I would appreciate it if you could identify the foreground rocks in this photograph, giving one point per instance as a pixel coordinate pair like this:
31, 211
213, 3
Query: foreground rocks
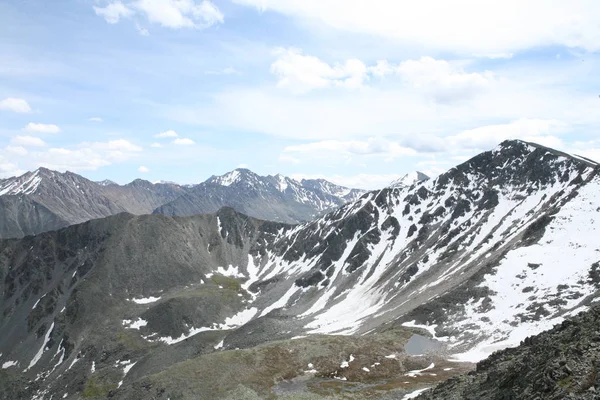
562, 363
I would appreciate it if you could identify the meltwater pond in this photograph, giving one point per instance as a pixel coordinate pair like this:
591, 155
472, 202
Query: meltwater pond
419, 344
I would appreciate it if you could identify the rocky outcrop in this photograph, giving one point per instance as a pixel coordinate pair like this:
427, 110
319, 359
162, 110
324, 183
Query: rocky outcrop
560, 364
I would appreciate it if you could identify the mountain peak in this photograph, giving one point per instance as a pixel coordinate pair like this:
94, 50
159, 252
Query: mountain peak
233, 177
409, 179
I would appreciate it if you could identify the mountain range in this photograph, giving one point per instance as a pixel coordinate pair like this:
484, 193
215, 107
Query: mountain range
45, 200
228, 306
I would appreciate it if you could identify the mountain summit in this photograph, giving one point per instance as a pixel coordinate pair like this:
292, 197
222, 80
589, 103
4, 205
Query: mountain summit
409, 180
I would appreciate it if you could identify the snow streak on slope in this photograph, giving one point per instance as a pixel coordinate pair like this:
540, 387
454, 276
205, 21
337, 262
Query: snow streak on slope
25, 184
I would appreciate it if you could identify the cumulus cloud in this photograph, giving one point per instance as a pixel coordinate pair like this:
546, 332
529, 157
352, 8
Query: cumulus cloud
349, 152
17, 150
166, 134
172, 14
371, 146
95, 119
29, 141
156, 145
15, 105
540, 131
464, 26
41, 128
113, 12
81, 157
444, 81
183, 142
301, 73
143, 169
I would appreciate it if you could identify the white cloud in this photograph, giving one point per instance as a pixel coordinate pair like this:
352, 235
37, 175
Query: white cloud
183, 141
173, 14
396, 108
17, 150
79, 157
28, 141
15, 105
143, 169
9, 169
118, 144
95, 119
442, 80
179, 13
461, 26
485, 137
62, 159
41, 128
156, 145
166, 134
330, 150
113, 12
301, 73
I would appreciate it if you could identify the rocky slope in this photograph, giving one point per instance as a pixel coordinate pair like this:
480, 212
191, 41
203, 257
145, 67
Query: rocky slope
274, 198
498, 248
560, 364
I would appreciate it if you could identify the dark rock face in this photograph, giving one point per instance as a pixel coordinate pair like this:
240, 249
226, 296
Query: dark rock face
559, 364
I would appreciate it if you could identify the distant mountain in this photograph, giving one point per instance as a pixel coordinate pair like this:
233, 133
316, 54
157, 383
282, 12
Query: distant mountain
45, 200
409, 180
274, 198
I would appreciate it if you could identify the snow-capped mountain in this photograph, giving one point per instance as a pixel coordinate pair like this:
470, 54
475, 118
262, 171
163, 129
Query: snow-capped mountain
498, 248
275, 198
44, 200
409, 179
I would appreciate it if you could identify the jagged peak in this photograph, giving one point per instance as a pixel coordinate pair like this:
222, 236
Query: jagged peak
409, 179
107, 182
233, 177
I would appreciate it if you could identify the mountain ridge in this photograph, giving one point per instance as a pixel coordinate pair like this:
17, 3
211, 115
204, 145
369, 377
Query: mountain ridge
272, 197
494, 250
44, 200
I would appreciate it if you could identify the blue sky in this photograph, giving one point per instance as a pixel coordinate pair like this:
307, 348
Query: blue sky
358, 92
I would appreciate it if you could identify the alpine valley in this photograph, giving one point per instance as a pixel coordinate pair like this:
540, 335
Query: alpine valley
386, 295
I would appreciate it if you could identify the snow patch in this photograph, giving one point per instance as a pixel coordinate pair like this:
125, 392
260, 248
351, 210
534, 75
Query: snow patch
146, 300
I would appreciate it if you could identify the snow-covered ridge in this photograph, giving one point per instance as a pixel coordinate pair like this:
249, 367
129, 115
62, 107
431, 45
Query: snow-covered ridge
24, 184
401, 248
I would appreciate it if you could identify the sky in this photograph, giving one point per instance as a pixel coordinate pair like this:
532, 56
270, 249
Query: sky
358, 92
